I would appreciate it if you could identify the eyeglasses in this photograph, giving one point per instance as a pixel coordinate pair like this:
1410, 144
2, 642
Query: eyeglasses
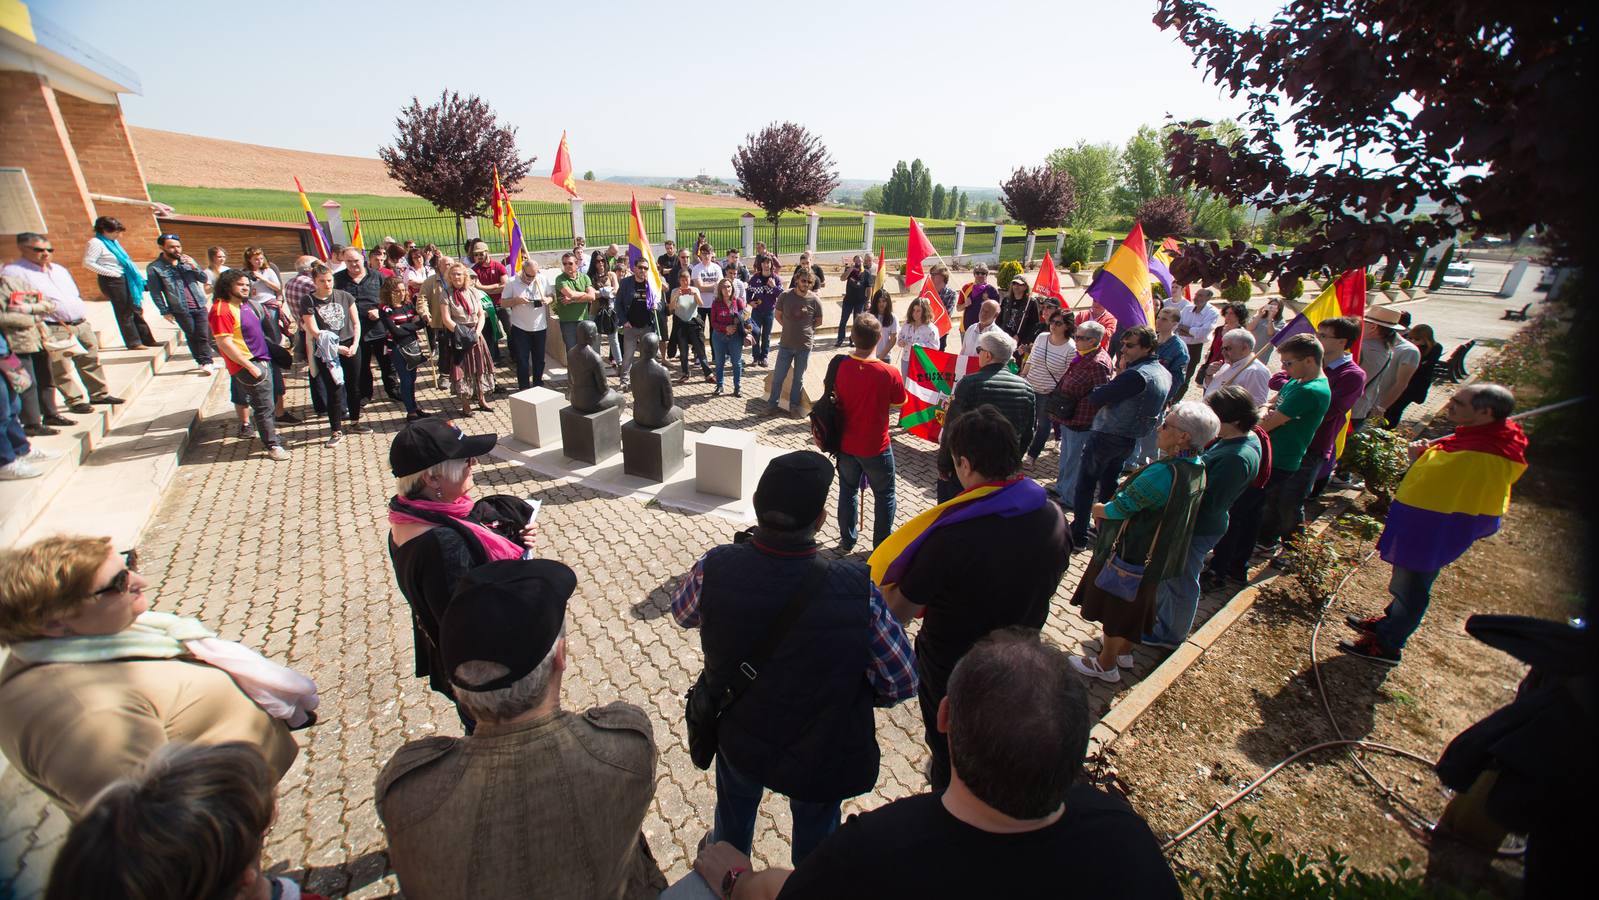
1054, 322
119, 581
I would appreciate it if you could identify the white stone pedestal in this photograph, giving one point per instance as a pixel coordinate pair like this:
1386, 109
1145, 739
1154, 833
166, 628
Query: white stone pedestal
725, 463
536, 416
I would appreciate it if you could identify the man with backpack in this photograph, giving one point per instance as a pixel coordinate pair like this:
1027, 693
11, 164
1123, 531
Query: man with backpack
868, 390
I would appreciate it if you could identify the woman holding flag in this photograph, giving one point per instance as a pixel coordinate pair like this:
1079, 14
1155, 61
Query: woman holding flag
918, 331
1144, 534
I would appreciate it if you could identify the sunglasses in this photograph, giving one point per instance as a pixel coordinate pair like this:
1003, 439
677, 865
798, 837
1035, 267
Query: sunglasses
119, 581
41, 249
1054, 322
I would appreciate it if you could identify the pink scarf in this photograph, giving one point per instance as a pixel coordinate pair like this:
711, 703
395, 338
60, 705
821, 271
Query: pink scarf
494, 544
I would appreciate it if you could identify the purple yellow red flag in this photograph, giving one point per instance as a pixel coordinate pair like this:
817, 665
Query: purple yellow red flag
1454, 494
893, 556
1121, 286
638, 248
561, 175
322, 251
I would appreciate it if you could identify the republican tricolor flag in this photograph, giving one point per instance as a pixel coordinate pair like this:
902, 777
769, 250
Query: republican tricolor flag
1455, 493
317, 237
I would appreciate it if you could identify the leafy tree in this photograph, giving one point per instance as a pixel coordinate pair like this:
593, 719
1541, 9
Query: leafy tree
1094, 169
784, 167
937, 208
589, 175
1165, 216
1144, 173
872, 199
446, 153
960, 208
1040, 197
1461, 104
920, 200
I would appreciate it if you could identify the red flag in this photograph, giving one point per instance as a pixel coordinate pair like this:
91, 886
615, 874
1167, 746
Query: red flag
917, 249
561, 176
1047, 283
936, 303
1351, 290
499, 195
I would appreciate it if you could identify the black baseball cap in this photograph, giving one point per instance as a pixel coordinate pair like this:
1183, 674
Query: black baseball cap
792, 491
428, 442
510, 612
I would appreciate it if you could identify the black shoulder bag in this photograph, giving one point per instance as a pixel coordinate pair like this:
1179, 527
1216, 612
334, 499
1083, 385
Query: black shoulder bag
712, 696
827, 419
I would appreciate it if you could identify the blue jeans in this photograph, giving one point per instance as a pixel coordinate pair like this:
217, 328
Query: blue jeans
1412, 592
13, 441
879, 472
1043, 426
761, 326
725, 347
569, 336
1103, 456
850, 309
406, 376
1071, 462
1177, 598
800, 359
196, 330
1145, 452
527, 352
738, 798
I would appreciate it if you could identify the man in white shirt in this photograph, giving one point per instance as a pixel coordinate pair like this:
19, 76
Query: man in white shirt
1240, 367
525, 299
1195, 327
69, 320
706, 276
987, 320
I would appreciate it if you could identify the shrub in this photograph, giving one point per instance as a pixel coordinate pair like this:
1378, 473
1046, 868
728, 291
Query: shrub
1075, 266
1008, 269
1385, 286
1239, 291
1291, 288
1406, 285
1079, 246
1319, 562
1379, 455
1251, 869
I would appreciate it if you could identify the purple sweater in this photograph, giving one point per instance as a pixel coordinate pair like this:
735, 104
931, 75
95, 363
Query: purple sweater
1347, 381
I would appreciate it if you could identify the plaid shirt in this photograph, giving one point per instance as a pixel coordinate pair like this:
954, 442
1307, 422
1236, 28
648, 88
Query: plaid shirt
297, 292
892, 672
1083, 375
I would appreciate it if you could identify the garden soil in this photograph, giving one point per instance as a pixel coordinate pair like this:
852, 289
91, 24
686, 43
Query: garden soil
1251, 701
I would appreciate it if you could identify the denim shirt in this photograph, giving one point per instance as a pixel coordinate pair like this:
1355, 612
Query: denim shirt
1133, 418
170, 283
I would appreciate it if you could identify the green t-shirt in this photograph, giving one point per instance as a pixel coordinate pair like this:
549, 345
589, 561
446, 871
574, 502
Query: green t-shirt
572, 312
1305, 404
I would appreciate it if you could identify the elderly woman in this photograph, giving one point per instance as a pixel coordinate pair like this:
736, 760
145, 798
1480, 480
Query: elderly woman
1231, 462
95, 682
464, 354
1089, 369
433, 537
1144, 536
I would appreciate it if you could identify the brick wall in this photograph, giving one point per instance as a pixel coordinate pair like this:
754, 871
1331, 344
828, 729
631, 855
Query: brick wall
35, 138
105, 156
283, 243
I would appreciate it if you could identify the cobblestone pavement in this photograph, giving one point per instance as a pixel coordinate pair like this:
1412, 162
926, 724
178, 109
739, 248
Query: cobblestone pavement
291, 559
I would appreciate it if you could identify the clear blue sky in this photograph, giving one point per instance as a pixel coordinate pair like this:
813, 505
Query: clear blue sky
973, 89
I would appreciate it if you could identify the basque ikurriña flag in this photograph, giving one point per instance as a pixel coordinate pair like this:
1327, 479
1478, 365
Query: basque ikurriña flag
929, 381
1454, 494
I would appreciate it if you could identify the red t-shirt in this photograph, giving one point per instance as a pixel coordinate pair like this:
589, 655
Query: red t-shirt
866, 390
490, 274
1104, 318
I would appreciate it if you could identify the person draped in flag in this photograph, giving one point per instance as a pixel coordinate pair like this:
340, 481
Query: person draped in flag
1454, 495
918, 330
989, 558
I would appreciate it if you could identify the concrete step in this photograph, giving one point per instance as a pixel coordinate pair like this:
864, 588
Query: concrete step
83, 491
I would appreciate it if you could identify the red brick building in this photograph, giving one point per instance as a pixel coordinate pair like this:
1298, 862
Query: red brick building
64, 131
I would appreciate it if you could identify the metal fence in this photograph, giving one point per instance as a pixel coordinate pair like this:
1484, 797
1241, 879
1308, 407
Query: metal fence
838, 233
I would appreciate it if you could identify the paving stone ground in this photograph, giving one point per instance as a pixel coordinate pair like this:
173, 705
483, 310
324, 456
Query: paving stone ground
290, 558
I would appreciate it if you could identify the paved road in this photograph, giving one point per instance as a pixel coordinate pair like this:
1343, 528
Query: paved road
291, 559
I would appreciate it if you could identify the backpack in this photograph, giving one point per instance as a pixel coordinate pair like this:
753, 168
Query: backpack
827, 418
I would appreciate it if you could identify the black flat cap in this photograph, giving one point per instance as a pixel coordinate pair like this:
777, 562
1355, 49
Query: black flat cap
509, 612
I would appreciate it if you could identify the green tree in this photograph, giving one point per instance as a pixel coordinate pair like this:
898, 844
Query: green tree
960, 209
1094, 169
897, 192
1143, 174
589, 175
872, 199
937, 209
921, 195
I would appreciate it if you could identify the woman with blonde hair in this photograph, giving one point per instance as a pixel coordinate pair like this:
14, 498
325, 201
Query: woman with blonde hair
918, 331
464, 354
95, 682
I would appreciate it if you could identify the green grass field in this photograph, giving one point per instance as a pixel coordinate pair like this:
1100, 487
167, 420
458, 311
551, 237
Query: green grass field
547, 225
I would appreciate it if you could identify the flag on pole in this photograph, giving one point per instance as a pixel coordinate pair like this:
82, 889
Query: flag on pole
357, 240
561, 175
1352, 299
882, 272
929, 383
638, 248
499, 202
1047, 284
1121, 286
935, 303
515, 250
1324, 306
317, 237
917, 249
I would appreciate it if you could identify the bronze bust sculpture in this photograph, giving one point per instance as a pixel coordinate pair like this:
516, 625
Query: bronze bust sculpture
590, 392
652, 386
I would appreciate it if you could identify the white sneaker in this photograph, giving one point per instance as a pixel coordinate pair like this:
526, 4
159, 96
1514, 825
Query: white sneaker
39, 454
277, 453
1124, 661
16, 470
1089, 666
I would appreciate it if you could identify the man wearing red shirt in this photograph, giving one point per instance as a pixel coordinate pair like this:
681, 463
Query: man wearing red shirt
1100, 314
868, 390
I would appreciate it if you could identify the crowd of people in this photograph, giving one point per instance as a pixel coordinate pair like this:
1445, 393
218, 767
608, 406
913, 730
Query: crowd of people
138, 722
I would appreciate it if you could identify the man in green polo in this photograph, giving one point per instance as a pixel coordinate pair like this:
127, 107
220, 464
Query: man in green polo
574, 295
